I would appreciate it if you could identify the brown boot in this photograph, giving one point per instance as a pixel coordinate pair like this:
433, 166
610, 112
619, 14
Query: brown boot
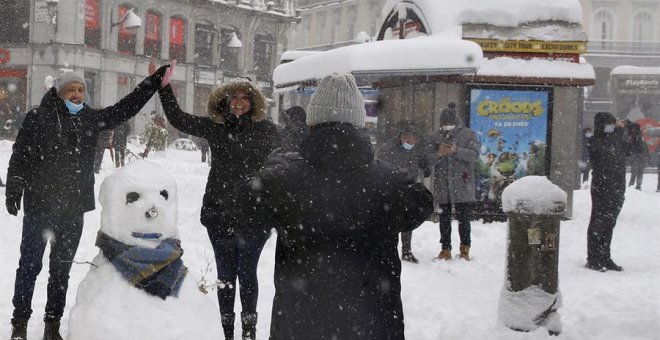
445, 254
465, 252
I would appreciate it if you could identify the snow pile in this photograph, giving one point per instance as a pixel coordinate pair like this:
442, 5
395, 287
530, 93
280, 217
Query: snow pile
530, 308
533, 195
627, 69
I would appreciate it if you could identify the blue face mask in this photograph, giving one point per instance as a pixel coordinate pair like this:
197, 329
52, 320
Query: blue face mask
407, 146
609, 128
73, 108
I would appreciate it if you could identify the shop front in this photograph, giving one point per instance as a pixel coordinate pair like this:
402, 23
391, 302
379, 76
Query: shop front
13, 93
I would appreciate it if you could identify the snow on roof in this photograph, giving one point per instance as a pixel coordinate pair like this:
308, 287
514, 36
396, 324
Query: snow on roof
424, 53
535, 68
534, 195
626, 69
440, 14
294, 55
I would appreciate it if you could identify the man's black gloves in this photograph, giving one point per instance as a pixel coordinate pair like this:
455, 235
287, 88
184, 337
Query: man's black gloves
14, 194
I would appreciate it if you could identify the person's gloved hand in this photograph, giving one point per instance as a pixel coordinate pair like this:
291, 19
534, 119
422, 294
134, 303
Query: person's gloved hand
155, 79
14, 194
168, 74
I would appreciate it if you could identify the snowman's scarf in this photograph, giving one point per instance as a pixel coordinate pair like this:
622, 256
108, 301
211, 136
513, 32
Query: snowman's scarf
159, 271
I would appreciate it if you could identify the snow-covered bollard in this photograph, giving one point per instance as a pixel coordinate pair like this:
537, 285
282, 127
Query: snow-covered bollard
530, 296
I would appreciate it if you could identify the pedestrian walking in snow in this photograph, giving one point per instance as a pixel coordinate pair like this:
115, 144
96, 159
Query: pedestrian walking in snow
119, 138
584, 164
104, 141
403, 151
638, 154
452, 151
338, 214
607, 151
240, 139
51, 169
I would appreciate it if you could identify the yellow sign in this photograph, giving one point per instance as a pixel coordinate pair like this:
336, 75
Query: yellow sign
532, 46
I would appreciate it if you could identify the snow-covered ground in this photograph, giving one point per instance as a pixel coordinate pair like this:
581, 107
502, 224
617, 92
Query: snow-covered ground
441, 300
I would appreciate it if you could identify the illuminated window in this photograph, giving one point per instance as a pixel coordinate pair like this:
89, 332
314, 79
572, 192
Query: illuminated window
92, 24
152, 35
125, 38
177, 39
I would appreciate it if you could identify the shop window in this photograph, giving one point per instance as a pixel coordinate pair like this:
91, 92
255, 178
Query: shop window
126, 38
123, 86
152, 35
204, 36
229, 55
13, 90
202, 93
14, 19
91, 80
177, 39
92, 24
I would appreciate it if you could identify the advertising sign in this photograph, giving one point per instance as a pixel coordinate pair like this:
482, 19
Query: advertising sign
512, 126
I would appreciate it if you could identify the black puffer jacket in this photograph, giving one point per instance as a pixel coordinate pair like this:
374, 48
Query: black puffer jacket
239, 146
338, 213
53, 157
607, 153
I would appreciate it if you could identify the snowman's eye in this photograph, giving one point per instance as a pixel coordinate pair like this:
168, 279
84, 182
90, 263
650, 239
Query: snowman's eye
164, 194
132, 197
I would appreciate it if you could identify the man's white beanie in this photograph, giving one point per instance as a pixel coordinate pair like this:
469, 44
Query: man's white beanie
337, 99
68, 77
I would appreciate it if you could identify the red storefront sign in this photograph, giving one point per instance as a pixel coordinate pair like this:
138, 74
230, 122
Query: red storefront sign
177, 31
92, 14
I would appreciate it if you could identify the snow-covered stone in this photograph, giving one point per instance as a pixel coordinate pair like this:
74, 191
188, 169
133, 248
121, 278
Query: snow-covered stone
528, 309
533, 195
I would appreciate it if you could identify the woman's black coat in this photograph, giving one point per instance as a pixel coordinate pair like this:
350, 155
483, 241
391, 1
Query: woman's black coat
53, 156
239, 148
338, 213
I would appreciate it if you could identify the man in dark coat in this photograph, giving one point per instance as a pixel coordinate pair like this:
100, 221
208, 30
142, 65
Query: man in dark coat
51, 168
607, 151
338, 213
240, 138
119, 138
295, 129
401, 151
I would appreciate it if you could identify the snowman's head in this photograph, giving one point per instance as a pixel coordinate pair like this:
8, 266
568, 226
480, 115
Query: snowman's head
139, 205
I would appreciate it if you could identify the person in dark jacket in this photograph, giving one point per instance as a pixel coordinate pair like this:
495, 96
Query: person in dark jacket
338, 213
104, 141
240, 139
295, 129
638, 154
607, 151
119, 138
51, 169
452, 151
402, 151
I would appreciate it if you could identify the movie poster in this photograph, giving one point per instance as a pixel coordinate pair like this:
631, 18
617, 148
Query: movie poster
512, 126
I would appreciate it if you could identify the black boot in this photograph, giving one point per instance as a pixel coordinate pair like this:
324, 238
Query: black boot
227, 320
249, 321
18, 329
52, 329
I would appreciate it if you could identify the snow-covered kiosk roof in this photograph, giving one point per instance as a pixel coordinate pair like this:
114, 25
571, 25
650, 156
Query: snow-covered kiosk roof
379, 60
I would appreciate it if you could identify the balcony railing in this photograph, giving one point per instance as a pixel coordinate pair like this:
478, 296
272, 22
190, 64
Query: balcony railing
623, 47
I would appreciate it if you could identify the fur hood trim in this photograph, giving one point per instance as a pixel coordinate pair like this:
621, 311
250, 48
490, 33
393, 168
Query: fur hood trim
219, 98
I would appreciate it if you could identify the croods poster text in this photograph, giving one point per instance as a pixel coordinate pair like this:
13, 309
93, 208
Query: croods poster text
512, 126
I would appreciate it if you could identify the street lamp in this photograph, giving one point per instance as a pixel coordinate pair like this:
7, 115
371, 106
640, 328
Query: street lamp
51, 6
130, 20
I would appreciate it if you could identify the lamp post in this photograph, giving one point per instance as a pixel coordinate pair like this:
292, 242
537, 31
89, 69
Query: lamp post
129, 19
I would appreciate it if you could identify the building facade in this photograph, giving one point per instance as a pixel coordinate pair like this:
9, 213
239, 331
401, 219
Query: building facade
212, 41
327, 24
622, 32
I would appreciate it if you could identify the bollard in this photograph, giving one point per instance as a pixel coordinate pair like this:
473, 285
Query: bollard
531, 297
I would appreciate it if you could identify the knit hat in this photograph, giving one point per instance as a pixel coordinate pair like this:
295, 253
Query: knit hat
407, 127
337, 99
68, 77
448, 114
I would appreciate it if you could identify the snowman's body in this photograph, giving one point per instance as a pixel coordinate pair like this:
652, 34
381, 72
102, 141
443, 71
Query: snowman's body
139, 210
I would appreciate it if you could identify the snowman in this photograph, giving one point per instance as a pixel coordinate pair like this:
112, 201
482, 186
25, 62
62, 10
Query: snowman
138, 286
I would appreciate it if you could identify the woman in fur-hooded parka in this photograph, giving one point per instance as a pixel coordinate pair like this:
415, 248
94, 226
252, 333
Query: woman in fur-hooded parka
239, 147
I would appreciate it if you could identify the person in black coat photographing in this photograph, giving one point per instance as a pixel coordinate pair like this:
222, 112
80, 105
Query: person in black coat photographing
338, 213
52, 170
608, 149
240, 138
